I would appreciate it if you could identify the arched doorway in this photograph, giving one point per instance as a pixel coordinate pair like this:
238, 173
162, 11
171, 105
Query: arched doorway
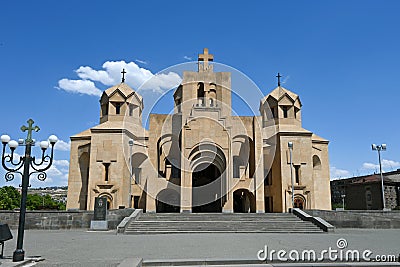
208, 165
299, 202
168, 201
243, 201
206, 188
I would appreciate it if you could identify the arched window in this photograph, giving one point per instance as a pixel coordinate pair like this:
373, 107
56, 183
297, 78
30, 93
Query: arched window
212, 94
200, 93
316, 163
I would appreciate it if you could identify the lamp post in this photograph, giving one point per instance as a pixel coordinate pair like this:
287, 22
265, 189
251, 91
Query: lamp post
290, 146
130, 142
30, 166
380, 148
343, 196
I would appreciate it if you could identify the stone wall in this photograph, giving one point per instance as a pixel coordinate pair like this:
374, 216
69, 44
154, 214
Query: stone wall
359, 219
55, 220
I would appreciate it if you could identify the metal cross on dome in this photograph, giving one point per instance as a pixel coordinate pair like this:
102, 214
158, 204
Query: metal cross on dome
279, 78
123, 75
30, 128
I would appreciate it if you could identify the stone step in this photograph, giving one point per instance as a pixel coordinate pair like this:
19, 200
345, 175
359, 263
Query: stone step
222, 232
134, 227
174, 223
194, 217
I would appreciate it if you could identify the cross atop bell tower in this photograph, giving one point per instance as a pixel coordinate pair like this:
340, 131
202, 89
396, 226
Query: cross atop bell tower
205, 57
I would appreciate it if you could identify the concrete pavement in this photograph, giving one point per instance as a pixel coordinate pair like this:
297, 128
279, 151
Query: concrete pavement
85, 248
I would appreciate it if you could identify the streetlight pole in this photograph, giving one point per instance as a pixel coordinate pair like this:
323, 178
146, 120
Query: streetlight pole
27, 162
343, 196
380, 148
290, 145
130, 172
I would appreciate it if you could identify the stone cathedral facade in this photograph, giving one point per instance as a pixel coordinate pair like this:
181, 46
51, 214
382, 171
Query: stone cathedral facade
199, 158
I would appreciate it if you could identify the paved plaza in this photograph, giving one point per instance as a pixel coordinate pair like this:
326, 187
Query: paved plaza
85, 248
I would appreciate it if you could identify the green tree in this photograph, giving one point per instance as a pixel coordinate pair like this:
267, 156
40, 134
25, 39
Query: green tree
10, 198
43, 202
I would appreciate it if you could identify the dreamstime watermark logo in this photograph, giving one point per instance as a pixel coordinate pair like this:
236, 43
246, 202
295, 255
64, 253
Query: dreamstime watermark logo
340, 253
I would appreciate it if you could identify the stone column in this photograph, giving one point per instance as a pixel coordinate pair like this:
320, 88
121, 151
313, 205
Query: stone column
228, 207
186, 178
259, 165
150, 196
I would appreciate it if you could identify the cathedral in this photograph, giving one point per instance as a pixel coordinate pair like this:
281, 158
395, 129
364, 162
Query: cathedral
200, 157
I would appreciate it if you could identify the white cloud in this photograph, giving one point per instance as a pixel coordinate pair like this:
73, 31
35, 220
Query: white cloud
338, 173
62, 145
141, 61
111, 75
87, 73
61, 163
187, 58
161, 81
54, 171
286, 79
58, 172
79, 87
386, 165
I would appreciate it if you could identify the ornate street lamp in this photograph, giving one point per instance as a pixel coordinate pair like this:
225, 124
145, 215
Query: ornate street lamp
30, 166
290, 146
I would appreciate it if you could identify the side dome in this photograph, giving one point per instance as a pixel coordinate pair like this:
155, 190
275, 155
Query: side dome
120, 101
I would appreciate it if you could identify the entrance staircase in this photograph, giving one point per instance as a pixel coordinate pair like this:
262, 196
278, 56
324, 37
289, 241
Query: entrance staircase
177, 223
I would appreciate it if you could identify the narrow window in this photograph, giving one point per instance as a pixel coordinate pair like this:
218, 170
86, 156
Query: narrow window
200, 94
130, 110
106, 171
285, 111
297, 173
118, 108
137, 173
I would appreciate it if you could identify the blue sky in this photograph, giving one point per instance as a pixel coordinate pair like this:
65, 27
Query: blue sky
341, 57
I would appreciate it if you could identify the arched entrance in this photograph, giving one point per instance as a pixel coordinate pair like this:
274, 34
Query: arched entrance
206, 189
243, 201
208, 178
168, 201
299, 202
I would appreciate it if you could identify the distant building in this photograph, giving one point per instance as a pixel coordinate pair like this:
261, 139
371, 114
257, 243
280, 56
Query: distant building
56, 193
365, 192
